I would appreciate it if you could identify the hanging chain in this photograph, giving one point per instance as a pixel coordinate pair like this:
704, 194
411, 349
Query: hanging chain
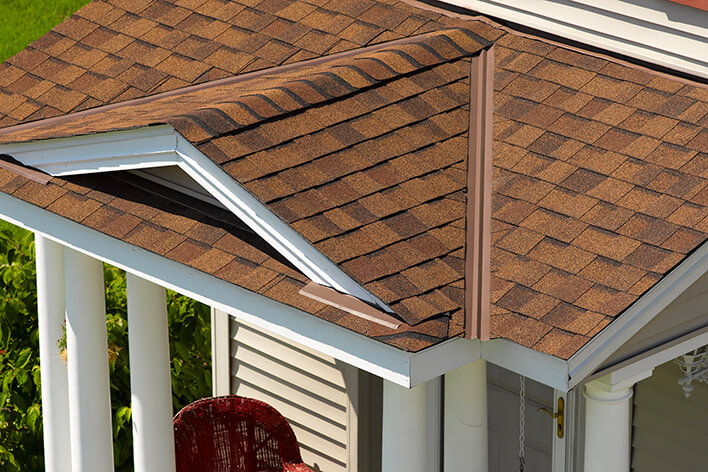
522, 421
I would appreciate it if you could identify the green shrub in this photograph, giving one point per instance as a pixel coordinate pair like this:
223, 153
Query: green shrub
20, 413
20, 422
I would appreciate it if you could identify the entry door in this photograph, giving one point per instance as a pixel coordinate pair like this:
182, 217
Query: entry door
503, 409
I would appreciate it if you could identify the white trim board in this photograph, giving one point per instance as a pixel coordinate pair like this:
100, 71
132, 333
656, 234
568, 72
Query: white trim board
152, 146
652, 358
655, 31
543, 368
220, 353
159, 146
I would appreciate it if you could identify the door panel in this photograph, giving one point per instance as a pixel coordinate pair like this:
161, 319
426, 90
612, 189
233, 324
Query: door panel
503, 408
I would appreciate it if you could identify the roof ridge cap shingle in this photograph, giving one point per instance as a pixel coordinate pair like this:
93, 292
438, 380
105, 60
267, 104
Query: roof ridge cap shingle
413, 53
338, 78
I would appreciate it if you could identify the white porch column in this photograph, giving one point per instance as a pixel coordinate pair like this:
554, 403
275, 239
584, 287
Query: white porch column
608, 403
150, 383
404, 433
87, 349
465, 443
55, 394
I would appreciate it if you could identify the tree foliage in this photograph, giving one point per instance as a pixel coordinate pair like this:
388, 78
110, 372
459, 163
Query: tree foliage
21, 445
20, 425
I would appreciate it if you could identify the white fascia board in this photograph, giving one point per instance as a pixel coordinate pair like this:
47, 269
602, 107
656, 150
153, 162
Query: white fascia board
457, 352
400, 367
590, 357
657, 31
157, 146
453, 353
648, 360
543, 368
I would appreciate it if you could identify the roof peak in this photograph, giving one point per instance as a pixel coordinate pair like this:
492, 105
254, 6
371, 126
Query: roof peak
269, 93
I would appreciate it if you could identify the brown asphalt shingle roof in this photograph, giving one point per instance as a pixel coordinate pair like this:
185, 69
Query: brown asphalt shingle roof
599, 169
112, 51
600, 189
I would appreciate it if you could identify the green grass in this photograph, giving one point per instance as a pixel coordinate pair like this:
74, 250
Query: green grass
23, 21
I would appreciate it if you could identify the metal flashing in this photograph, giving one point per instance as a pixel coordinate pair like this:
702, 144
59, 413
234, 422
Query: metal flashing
349, 304
479, 196
10, 164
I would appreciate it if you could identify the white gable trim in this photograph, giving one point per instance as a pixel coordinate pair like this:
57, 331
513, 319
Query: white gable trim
590, 357
653, 358
142, 148
158, 146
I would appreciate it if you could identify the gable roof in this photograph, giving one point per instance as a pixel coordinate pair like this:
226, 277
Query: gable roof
600, 169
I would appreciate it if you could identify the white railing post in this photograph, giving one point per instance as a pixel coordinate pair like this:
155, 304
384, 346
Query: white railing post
404, 430
150, 383
466, 418
87, 350
51, 310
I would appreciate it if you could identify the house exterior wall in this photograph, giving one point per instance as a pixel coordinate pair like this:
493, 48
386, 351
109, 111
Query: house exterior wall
335, 409
331, 406
669, 431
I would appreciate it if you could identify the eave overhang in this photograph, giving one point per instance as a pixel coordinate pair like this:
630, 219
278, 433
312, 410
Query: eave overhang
401, 367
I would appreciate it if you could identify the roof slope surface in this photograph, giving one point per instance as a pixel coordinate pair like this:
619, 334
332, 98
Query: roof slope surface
116, 50
600, 169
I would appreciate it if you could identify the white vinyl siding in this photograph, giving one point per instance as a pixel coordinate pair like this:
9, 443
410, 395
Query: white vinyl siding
670, 431
314, 392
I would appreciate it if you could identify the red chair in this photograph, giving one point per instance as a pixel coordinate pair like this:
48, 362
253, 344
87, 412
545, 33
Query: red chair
235, 434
